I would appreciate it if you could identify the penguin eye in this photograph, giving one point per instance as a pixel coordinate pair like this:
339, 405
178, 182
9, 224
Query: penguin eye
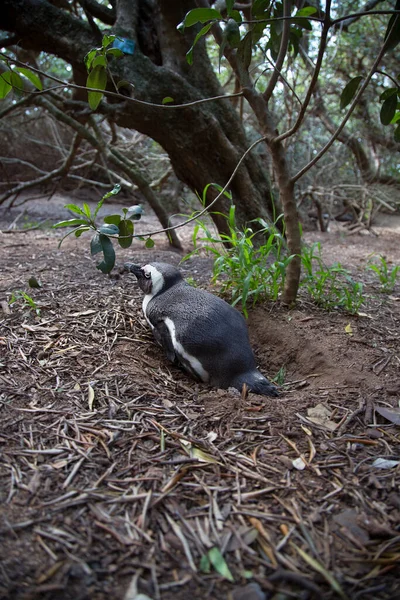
147, 275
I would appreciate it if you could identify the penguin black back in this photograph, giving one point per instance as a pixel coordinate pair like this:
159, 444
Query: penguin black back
199, 330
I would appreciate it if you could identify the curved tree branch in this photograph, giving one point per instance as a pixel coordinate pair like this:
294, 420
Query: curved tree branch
99, 11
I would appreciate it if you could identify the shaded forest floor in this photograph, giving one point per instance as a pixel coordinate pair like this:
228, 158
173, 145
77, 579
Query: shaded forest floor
119, 473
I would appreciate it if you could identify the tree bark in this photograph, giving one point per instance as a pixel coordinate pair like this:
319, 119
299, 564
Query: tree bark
204, 141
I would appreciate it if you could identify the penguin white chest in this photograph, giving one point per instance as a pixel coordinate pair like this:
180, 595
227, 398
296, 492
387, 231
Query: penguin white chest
146, 300
195, 364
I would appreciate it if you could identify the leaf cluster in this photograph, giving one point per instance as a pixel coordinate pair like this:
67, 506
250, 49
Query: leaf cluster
13, 79
389, 98
120, 227
263, 12
330, 287
387, 275
241, 259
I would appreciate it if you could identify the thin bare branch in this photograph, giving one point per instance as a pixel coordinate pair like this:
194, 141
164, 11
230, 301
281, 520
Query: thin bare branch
314, 79
282, 53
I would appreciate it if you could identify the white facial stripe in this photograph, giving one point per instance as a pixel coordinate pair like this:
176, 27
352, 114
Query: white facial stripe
157, 283
157, 279
194, 363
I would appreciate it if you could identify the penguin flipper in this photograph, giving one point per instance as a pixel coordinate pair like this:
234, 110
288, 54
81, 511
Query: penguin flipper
163, 338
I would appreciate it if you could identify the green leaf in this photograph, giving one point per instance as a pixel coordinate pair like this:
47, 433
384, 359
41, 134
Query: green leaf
89, 59
205, 564
16, 81
199, 15
235, 14
113, 219
34, 283
219, 564
322, 570
387, 93
301, 22
97, 79
109, 229
149, 243
78, 232
74, 208
108, 263
167, 100
126, 233
392, 35
86, 210
70, 223
124, 84
232, 33
396, 117
95, 245
203, 31
350, 91
107, 40
116, 190
5, 86
115, 52
99, 61
134, 212
259, 6
229, 6
388, 109
306, 12
33, 78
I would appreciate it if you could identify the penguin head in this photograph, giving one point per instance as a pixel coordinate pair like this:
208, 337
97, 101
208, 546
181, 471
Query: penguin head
155, 277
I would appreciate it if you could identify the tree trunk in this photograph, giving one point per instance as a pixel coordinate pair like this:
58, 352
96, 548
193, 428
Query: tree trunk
204, 141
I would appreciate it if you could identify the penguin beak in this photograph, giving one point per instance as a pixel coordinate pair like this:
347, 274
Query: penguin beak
135, 269
144, 282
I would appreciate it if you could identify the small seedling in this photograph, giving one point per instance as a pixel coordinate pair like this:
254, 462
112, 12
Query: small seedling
114, 227
387, 276
191, 281
280, 377
27, 301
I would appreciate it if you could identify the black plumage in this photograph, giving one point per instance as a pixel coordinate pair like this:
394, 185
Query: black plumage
199, 330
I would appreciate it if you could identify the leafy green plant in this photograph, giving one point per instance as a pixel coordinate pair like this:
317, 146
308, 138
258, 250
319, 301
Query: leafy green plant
387, 276
115, 226
329, 287
215, 559
97, 65
262, 12
27, 301
280, 377
249, 265
11, 79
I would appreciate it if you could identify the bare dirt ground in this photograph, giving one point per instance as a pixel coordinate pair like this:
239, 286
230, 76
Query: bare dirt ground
120, 475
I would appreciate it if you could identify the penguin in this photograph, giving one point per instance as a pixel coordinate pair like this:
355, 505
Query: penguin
199, 331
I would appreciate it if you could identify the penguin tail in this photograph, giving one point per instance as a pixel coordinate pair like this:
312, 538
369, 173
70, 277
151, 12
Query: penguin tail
256, 383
